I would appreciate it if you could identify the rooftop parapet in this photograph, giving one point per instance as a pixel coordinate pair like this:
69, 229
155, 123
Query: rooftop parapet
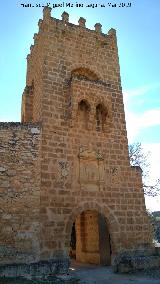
65, 19
47, 20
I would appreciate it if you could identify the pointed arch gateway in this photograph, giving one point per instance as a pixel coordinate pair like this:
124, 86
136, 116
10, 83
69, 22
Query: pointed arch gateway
92, 230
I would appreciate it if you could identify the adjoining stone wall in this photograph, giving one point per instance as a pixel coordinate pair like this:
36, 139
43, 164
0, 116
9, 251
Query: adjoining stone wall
19, 192
133, 260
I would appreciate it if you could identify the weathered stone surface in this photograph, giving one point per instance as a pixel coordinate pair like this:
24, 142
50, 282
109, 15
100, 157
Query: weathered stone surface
39, 269
70, 153
131, 261
19, 193
35, 130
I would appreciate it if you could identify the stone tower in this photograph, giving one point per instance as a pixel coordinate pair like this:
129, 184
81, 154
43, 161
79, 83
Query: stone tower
89, 201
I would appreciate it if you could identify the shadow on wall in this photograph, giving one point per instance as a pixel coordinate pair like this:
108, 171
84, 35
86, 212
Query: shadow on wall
90, 239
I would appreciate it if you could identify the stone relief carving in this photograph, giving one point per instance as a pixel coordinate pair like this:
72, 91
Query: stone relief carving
93, 173
91, 169
64, 168
115, 176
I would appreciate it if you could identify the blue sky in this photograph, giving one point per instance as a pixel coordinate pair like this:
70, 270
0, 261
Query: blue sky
138, 33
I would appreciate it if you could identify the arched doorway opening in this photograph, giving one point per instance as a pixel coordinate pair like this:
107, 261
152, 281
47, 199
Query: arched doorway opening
90, 239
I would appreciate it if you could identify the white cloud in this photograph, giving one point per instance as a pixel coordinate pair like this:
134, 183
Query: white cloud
154, 159
150, 118
133, 127
152, 203
140, 91
136, 123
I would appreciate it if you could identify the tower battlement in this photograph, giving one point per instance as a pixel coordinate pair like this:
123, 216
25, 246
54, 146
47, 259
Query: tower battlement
49, 22
67, 47
65, 20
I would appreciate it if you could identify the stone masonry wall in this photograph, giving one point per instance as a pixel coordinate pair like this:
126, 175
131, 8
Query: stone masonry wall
77, 161
31, 99
19, 192
84, 166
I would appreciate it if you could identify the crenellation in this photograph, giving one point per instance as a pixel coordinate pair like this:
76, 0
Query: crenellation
46, 13
65, 17
82, 22
35, 37
112, 32
73, 27
28, 57
40, 23
98, 27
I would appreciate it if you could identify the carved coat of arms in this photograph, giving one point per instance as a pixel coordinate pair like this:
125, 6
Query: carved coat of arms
91, 169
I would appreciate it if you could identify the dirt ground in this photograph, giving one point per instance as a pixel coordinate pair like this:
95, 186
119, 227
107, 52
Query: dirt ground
90, 274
